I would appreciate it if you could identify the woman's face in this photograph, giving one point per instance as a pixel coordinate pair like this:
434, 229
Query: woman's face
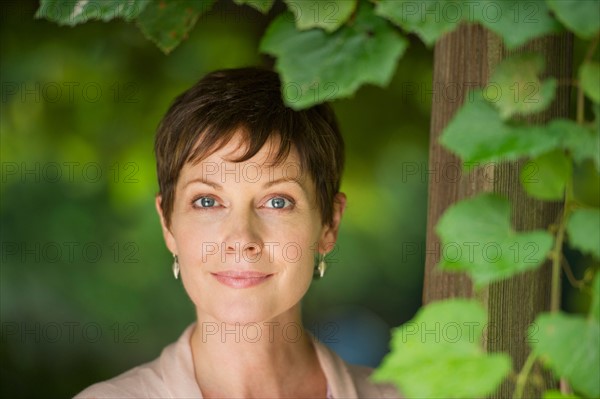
246, 234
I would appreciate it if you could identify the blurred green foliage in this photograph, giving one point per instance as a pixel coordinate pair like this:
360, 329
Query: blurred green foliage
82, 251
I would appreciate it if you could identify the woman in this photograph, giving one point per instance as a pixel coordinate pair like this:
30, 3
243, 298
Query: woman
249, 204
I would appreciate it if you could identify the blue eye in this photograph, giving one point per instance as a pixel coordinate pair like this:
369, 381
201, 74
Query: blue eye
279, 203
206, 202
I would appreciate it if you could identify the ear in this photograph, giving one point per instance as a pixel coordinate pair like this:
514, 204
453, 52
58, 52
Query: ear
329, 234
167, 235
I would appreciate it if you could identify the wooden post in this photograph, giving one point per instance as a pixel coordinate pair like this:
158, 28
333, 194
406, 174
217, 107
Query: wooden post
466, 58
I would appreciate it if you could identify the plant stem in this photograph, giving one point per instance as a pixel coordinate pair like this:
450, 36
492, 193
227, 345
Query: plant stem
580, 102
523, 374
580, 98
556, 254
579, 284
592, 48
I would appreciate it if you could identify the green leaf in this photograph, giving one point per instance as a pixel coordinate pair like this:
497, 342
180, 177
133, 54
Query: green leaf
423, 18
518, 90
261, 5
554, 394
70, 12
328, 15
583, 229
595, 306
477, 134
581, 141
438, 354
579, 16
546, 176
568, 344
589, 79
515, 21
477, 237
167, 23
316, 67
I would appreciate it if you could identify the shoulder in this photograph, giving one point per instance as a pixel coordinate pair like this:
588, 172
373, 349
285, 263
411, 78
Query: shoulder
368, 389
141, 381
170, 375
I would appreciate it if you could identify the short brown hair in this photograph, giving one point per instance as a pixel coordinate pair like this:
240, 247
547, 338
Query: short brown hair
205, 117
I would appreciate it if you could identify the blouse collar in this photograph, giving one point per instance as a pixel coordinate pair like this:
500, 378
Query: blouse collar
177, 369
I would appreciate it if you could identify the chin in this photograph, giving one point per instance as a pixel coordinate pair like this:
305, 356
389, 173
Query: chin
248, 312
241, 314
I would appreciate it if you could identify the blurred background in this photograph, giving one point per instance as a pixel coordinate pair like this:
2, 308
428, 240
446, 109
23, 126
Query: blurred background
87, 290
86, 285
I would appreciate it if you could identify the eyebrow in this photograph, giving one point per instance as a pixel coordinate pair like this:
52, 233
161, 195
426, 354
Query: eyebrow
283, 180
268, 184
201, 180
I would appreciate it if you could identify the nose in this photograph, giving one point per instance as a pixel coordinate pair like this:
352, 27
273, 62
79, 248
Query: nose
243, 238
250, 251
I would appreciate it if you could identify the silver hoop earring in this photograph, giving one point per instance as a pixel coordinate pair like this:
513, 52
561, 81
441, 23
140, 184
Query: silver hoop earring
322, 266
175, 267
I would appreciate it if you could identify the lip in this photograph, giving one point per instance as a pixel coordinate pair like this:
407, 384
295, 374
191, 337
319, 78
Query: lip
241, 279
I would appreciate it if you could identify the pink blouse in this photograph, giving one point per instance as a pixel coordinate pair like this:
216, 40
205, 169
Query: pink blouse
172, 376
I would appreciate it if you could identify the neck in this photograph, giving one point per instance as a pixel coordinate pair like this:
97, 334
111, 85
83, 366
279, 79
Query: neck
275, 358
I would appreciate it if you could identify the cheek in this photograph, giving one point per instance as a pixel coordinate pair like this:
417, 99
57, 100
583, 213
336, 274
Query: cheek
192, 241
293, 245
